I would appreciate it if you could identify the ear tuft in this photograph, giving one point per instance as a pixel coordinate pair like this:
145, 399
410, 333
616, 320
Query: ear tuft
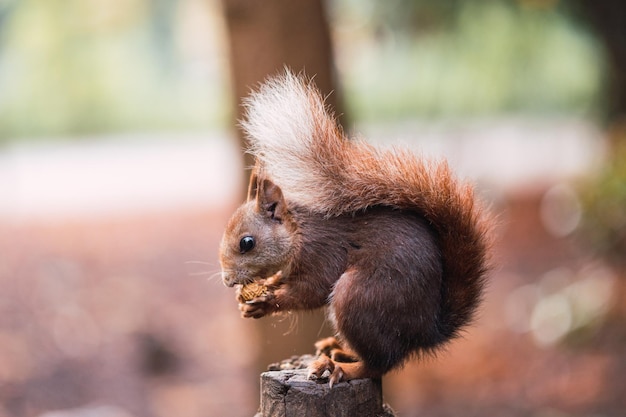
253, 185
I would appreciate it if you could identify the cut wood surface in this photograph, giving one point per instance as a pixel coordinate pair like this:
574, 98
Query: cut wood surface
289, 392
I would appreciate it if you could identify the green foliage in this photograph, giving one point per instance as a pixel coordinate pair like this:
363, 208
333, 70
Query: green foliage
479, 58
69, 67
72, 67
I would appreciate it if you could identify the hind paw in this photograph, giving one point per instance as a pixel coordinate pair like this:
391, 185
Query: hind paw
331, 347
324, 367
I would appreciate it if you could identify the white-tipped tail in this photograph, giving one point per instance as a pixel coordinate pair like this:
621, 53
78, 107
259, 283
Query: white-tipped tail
284, 123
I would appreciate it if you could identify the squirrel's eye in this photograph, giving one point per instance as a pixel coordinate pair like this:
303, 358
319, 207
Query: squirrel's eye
246, 244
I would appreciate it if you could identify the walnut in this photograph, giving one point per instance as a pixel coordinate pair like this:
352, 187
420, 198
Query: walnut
252, 290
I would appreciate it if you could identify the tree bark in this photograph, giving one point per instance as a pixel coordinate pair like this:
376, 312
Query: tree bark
289, 392
608, 19
267, 36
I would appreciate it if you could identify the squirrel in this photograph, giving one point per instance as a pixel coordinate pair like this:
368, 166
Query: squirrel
393, 244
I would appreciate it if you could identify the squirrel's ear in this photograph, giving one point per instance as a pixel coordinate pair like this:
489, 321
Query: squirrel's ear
253, 185
270, 201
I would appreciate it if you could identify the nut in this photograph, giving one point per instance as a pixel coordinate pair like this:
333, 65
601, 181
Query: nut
252, 290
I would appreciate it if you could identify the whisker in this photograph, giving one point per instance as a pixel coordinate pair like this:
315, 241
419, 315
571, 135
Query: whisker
322, 326
213, 273
294, 319
201, 273
201, 263
217, 274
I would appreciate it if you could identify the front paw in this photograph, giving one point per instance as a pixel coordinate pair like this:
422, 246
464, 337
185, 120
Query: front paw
258, 298
258, 307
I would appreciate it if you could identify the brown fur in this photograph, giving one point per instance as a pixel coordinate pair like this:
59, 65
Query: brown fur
394, 244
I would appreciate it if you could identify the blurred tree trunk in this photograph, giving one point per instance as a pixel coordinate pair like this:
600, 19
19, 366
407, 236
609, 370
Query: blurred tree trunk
608, 19
264, 37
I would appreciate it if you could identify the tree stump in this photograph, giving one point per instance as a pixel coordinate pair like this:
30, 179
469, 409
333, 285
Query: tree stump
286, 391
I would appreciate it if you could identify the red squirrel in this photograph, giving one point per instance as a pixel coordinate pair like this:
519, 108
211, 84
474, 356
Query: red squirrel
392, 243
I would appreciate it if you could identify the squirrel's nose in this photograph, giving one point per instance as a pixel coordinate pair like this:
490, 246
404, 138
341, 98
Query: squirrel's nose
228, 279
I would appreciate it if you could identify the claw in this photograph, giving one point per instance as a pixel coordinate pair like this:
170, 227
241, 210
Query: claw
335, 376
323, 368
312, 374
257, 300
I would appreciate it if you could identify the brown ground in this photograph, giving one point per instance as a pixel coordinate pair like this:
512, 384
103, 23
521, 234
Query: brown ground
125, 313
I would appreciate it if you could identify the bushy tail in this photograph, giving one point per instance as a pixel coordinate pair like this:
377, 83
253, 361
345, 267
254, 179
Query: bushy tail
301, 148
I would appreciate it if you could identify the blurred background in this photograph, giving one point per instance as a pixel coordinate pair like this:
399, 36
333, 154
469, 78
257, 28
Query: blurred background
120, 163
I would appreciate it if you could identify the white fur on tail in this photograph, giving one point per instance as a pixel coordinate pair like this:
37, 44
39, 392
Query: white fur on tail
284, 121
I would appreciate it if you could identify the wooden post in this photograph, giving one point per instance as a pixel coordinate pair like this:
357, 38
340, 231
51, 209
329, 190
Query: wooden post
288, 392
